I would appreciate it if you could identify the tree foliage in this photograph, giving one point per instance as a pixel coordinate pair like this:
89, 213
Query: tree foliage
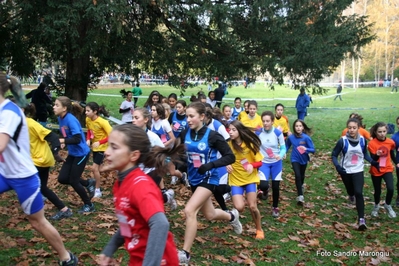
301, 39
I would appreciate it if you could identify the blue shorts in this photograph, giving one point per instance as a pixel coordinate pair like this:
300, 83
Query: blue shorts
271, 170
28, 192
240, 190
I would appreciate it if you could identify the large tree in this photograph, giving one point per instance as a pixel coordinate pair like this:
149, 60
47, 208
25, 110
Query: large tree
301, 39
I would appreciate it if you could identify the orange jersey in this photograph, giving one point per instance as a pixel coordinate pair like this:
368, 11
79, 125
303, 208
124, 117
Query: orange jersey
384, 160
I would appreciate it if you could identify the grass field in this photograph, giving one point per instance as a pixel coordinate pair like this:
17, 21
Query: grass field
323, 231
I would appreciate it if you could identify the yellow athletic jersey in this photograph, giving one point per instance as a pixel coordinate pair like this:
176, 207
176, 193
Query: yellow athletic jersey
98, 129
282, 124
255, 122
39, 148
240, 177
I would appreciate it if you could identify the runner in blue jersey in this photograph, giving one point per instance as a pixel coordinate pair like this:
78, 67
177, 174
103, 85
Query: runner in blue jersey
78, 152
202, 144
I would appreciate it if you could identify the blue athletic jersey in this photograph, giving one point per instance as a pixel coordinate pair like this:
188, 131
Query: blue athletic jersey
70, 125
178, 125
206, 154
236, 112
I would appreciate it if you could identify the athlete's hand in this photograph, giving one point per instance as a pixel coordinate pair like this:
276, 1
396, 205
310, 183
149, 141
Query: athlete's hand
229, 169
204, 168
105, 261
88, 142
95, 144
58, 158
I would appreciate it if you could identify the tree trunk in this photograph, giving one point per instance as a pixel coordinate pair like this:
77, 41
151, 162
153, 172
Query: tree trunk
77, 77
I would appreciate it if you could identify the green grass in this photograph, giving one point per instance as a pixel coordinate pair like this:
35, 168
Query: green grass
325, 223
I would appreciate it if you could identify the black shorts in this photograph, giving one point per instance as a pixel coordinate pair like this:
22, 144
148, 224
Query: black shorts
210, 187
98, 157
157, 179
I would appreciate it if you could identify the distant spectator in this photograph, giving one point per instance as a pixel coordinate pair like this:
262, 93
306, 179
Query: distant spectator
136, 93
339, 90
219, 94
40, 100
302, 103
395, 85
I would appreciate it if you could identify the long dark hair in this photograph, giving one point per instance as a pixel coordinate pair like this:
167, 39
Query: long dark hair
373, 130
156, 157
97, 108
306, 129
247, 136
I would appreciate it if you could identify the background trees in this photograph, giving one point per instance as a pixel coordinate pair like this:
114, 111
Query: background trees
303, 40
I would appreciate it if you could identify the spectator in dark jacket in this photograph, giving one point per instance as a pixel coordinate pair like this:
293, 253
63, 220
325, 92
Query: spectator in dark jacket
40, 99
302, 103
219, 94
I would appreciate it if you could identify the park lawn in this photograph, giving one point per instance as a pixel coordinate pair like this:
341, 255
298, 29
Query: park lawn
323, 231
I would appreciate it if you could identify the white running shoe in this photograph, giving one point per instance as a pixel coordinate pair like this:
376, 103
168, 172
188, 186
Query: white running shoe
375, 210
98, 194
227, 197
183, 259
170, 194
300, 199
174, 180
390, 211
236, 222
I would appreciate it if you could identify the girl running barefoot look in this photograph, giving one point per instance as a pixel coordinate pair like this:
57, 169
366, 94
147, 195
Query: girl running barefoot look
243, 173
98, 130
302, 145
202, 145
17, 171
353, 150
78, 152
143, 226
382, 150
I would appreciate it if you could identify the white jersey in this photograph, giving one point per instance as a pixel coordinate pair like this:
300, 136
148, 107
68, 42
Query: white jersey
15, 160
353, 157
127, 116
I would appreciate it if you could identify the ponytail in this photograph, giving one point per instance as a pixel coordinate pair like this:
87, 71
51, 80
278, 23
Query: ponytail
12, 83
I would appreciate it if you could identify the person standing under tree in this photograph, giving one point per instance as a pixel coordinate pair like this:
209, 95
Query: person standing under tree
339, 90
302, 103
17, 171
136, 93
395, 84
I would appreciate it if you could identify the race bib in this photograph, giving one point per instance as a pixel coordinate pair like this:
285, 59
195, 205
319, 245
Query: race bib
301, 149
63, 132
269, 152
354, 159
244, 163
383, 161
176, 126
163, 138
123, 224
196, 158
91, 134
